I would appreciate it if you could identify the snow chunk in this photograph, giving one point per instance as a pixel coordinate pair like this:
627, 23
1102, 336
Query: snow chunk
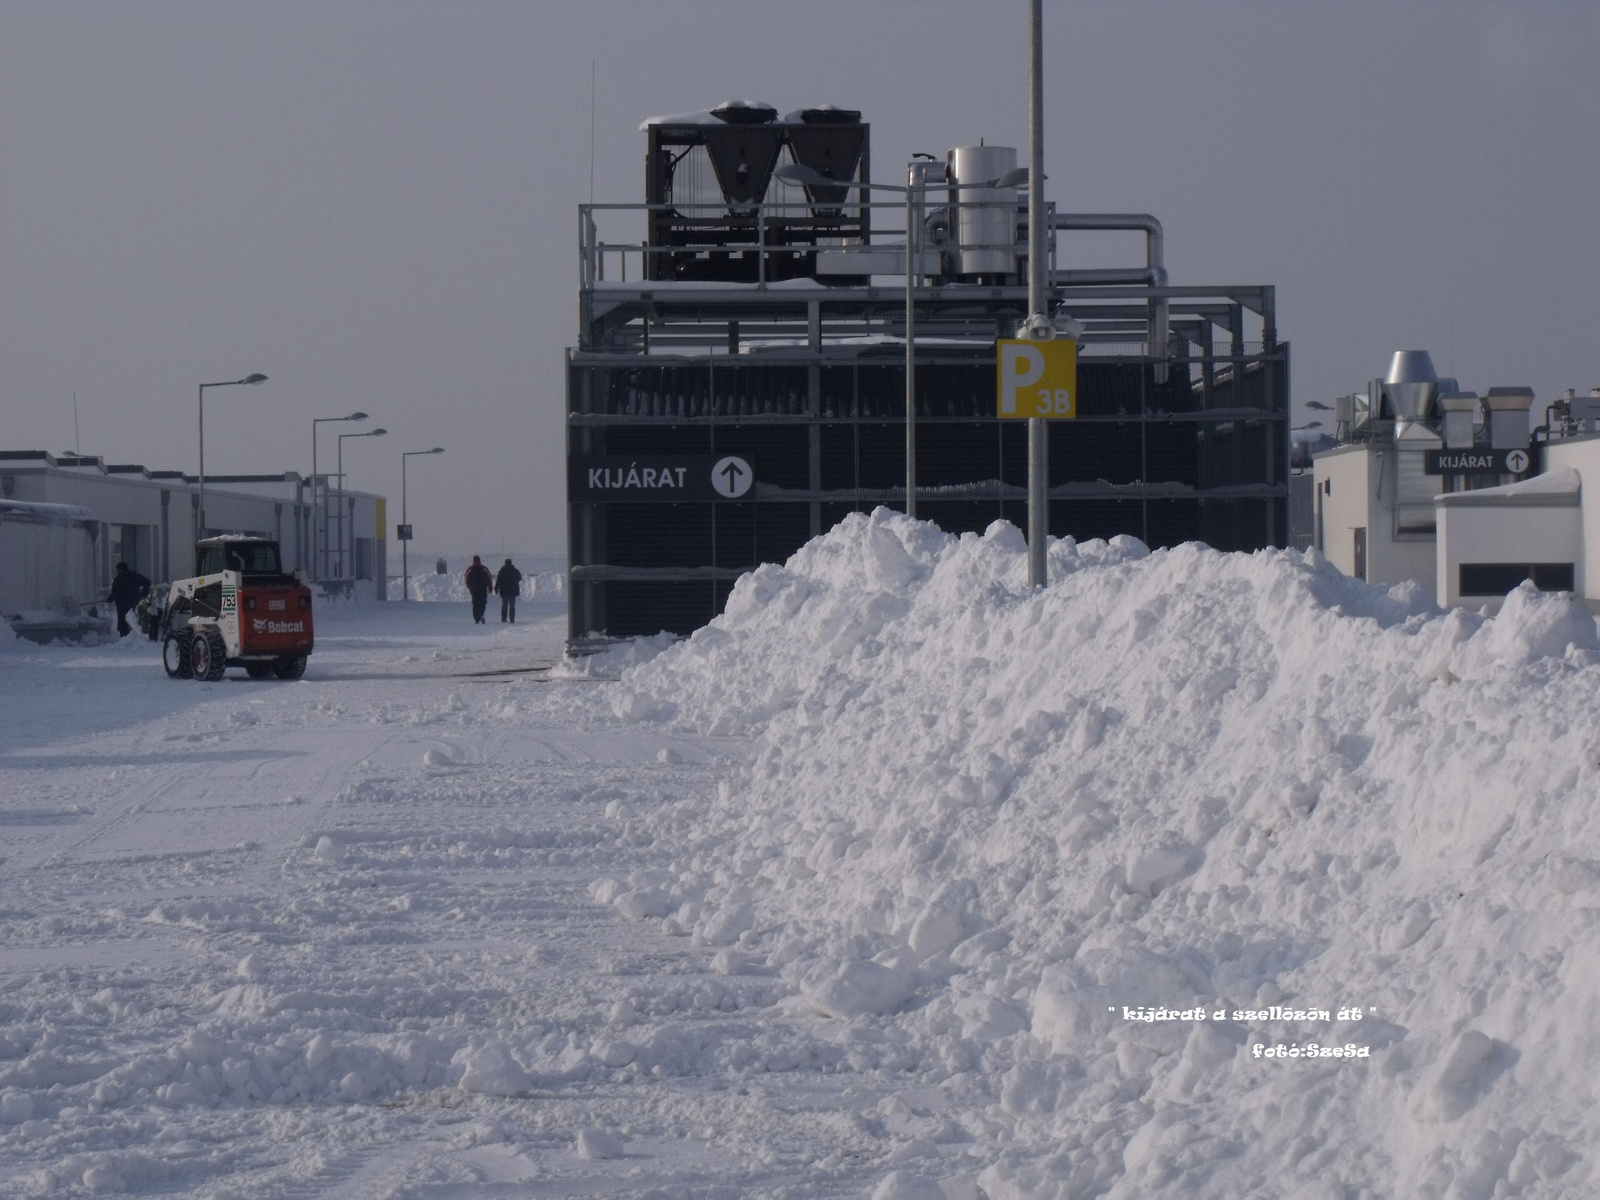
16, 1106
594, 1144
1534, 624
854, 988
489, 1069
936, 930
1463, 1078
1151, 870
907, 1185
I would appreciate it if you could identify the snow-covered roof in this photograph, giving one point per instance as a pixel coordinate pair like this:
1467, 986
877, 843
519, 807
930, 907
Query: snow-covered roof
1553, 489
29, 510
709, 116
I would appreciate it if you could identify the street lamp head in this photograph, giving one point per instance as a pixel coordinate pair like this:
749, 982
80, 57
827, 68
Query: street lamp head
437, 450
803, 176
254, 379
355, 416
373, 433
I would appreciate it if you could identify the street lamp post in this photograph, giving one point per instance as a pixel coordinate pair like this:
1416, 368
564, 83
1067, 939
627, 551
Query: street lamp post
200, 531
316, 572
338, 569
917, 186
1038, 304
405, 542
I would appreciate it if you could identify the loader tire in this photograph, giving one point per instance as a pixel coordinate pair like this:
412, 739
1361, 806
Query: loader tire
208, 654
175, 655
290, 668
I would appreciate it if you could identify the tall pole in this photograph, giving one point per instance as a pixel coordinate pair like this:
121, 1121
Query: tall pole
338, 568
315, 573
405, 520
911, 346
200, 533
1038, 430
319, 504
252, 379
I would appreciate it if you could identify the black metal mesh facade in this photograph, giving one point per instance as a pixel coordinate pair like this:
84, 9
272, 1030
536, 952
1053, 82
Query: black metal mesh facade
1201, 456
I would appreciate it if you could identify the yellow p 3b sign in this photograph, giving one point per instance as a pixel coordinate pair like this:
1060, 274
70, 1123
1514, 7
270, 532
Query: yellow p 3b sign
1038, 379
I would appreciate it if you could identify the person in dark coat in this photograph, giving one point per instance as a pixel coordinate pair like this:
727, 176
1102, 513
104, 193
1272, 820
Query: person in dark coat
127, 589
508, 583
478, 581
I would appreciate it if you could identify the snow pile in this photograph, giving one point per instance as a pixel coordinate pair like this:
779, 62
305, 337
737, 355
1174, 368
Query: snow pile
1021, 838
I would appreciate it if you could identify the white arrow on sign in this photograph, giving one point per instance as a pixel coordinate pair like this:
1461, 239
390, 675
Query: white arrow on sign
732, 477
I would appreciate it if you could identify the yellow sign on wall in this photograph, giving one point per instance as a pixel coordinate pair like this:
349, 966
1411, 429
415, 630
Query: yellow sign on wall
1038, 379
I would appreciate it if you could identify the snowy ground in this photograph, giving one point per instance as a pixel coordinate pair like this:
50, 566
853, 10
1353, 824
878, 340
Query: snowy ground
290, 939
901, 879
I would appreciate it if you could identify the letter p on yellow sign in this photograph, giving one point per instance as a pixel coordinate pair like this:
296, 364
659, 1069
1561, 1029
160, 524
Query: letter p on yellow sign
1037, 379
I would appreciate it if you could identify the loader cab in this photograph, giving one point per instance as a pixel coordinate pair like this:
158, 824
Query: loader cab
256, 559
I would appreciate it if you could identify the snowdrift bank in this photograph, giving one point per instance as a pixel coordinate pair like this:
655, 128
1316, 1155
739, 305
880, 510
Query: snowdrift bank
449, 588
986, 820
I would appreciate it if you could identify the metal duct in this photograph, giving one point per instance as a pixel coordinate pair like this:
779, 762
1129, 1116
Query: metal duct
743, 157
1460, 413
1508, 417
832, 149
1410, 385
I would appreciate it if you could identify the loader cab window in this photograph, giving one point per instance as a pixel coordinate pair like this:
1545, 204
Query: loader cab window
248, 558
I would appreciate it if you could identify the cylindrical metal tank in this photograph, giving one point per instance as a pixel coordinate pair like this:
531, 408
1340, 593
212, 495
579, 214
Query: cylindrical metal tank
986, 218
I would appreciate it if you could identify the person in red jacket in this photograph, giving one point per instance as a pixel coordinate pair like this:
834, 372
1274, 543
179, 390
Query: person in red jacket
478, 581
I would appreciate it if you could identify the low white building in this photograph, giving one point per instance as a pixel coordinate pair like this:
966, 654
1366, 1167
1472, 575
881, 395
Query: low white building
1457, 492
148, 519
49, 570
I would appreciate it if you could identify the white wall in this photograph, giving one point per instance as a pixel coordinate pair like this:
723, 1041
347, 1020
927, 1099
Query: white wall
1582, 454
1515, 531
1342, 503
1355, 490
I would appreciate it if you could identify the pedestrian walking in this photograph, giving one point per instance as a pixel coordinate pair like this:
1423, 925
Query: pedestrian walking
127, 589
508, 583
478, 581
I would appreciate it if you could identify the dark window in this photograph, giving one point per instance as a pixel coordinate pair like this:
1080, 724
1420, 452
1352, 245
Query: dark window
1361, 554
1552, 577
248, 558
1496, 579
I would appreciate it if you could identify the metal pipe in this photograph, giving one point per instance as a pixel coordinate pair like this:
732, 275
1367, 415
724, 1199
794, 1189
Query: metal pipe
1111, 276
1038, 317
1154, 237
1155, 269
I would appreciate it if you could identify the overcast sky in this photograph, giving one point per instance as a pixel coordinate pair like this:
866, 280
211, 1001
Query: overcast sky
375, 204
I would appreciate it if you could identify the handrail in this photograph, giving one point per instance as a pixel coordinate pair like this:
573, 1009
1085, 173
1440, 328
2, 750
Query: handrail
758, 218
